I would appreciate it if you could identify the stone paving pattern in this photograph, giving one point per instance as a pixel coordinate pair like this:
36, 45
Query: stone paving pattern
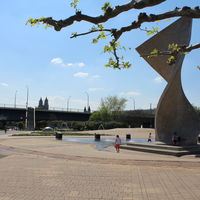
125, 176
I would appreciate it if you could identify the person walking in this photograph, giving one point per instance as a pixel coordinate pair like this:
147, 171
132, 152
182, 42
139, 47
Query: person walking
149, 138
117, 143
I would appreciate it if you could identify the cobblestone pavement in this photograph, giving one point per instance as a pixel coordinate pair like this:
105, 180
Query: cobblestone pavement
43, 176
36, 178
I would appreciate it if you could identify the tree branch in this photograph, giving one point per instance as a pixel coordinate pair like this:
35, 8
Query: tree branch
109, 14
92, 31
192, 47
143, 17
173, 51
116, 34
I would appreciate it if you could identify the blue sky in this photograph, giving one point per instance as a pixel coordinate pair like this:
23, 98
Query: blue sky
52, 65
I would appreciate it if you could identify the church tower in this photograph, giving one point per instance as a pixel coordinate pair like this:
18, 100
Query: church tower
40, 103
46, 104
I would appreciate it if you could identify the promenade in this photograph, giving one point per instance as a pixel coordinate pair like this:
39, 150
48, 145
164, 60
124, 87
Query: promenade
42, 168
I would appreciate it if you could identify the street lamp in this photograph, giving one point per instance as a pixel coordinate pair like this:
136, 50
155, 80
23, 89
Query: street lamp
150, 106
68, 103
133, 102
15, 98
87, 99
26, 120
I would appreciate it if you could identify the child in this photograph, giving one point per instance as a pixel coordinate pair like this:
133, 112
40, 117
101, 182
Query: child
117, 143
149, 138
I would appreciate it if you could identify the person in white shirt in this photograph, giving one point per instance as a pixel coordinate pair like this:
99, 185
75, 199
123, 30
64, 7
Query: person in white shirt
117, 143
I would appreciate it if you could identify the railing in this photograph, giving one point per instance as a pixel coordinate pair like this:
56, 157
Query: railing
11, 106
66, 110
50, 108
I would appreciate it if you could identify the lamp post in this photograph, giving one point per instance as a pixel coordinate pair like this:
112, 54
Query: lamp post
26, 119
68, 103
34, 118
15, 99
133, 102
150, 107
87, 99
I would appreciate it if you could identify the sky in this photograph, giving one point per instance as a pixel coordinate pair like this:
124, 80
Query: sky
69, 72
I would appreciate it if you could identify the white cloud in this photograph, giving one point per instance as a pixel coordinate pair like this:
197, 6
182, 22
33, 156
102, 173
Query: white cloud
81, 64
158, 79
81, 74
131, 93
57, 61
95, 89
86, 75
95, 77
4, 84
60, 62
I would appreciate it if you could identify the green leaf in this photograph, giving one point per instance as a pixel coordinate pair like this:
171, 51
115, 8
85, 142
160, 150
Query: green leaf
126, 65
150, 32
106, 6
156, 29
100, 26
117, 44
101, 35
153, 53
153, 31
74, 3
171, 60
94, 41
106, 48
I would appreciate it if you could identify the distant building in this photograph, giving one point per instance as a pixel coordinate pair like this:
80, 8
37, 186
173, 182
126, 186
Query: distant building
44, 105
87, 110
40, 103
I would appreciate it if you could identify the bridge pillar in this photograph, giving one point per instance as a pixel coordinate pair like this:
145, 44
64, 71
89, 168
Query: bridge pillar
30, 118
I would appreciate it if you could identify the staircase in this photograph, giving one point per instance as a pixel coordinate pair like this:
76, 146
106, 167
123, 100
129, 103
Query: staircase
161, 148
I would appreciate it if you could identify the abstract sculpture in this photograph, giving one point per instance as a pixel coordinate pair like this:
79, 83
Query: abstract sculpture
174, 112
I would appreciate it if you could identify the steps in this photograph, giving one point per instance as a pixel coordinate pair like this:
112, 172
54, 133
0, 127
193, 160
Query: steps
163, 149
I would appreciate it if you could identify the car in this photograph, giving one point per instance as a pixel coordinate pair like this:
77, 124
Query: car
47, 129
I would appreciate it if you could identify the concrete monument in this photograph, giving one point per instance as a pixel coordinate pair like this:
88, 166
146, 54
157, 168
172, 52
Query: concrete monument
174, 112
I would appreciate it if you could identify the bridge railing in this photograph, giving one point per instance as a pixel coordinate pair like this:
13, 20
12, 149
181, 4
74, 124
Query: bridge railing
11, 106
50, 108
65, 109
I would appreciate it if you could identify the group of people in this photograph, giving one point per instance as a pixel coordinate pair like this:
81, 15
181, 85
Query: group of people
175, 140
118, 142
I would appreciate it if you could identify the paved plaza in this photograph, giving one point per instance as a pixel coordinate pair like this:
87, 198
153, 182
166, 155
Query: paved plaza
42, 168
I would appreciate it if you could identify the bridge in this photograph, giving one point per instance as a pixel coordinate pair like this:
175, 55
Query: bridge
33, 115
